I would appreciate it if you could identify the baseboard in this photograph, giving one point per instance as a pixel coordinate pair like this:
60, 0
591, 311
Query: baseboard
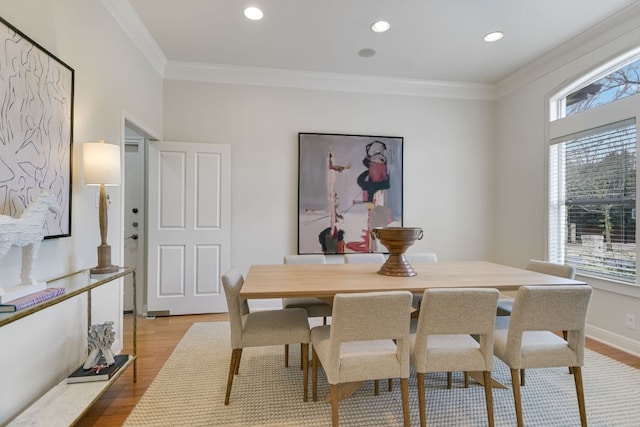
614, 340
158, 313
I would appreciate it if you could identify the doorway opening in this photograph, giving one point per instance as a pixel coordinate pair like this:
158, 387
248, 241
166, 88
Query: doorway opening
134, 229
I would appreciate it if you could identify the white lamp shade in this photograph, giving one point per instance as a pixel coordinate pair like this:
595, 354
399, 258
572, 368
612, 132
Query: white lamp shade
101, 163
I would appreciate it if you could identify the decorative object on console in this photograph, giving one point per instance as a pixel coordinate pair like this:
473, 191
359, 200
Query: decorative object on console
100, 339
31, 300
26, 232
397, 240
36, 91
97, 373
102, 167
347, 185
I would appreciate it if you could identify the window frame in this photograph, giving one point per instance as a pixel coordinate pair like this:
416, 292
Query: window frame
558, 126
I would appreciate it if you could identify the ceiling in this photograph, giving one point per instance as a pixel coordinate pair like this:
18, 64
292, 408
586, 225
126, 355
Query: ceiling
435, 40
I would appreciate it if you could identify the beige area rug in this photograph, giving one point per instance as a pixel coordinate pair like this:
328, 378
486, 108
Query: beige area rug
190, 388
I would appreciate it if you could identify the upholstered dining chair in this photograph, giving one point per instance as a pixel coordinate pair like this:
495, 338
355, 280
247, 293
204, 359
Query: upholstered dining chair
505, 305
368, 258
368, 339
442, 341
526, 339
364, 258
262, 328
412, 257
421, 257
313, 306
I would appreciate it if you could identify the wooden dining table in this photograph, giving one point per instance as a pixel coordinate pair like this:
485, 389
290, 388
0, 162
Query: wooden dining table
324, 281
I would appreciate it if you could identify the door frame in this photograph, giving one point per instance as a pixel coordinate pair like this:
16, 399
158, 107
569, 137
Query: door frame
129, 120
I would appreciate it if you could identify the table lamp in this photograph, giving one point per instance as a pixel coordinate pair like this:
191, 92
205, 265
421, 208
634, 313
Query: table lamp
102, 167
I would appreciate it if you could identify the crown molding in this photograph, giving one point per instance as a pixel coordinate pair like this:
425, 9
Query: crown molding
135, 29
137, 32
598, 36
275, 77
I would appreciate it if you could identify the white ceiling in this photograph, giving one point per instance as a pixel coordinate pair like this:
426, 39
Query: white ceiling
435, 40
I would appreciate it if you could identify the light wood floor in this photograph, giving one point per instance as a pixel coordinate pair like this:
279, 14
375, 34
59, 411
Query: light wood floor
156, 340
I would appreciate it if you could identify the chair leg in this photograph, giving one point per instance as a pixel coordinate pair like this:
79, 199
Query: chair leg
449, 379
577, 377
404, 386
488, 395
286, 355
376, 390
390, 385
516, 396
302, 355
422, 400
466, 379
238, 361
334, 405
314, 375
522, 377
564, 335
304, 348
235, 361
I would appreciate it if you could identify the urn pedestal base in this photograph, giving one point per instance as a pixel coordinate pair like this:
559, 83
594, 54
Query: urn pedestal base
397, 240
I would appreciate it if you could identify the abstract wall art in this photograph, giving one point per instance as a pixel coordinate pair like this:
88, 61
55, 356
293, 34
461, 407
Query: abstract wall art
36, 128
347, 185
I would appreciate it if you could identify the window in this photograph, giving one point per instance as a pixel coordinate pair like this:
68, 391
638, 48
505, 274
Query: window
592, 172
593, 202
618, 84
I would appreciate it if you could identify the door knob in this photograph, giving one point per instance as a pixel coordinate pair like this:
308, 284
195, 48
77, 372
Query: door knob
133, 236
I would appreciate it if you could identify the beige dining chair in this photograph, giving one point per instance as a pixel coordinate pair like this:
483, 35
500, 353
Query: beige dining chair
413, 257
443, 339
262, 328
313, 306
364, 258
368, 339
505, 305
527, 340
368, 258
420, 257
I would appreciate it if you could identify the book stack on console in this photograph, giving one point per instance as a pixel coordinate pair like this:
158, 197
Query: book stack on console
99, 373
31, 300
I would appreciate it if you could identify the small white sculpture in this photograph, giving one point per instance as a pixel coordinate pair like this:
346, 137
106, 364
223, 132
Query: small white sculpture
26, 232
100, 339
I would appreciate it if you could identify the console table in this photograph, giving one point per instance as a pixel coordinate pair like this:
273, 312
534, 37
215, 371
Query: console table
64, 404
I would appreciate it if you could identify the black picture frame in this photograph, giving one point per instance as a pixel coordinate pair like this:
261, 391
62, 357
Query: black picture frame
347, 185
36, 128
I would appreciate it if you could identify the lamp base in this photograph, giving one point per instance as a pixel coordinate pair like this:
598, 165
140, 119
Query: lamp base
104, 270
104, 261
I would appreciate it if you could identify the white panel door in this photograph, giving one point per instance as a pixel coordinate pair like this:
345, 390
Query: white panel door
188, 227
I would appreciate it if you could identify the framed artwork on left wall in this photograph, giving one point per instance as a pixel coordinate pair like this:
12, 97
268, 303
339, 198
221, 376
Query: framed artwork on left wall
36, 128
347, 185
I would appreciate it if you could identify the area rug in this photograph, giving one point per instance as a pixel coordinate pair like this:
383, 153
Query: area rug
189, 391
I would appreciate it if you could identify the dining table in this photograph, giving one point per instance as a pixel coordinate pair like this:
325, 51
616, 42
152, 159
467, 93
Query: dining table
324, 281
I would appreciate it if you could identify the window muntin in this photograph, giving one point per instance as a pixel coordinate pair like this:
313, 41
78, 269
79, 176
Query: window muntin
592, 189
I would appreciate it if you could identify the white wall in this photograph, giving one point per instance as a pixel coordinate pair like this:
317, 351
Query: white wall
520, 172
111, 76
447, 159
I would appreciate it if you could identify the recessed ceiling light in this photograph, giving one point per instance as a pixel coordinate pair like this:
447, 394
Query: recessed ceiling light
366, 52
493, 36
380, 26
253, 13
